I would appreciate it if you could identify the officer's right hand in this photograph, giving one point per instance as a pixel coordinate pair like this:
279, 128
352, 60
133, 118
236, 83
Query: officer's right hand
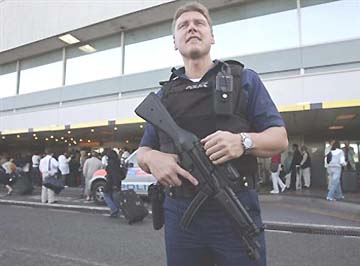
166, 169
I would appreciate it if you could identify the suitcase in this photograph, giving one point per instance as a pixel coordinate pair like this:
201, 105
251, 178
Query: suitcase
23, 185
131, 206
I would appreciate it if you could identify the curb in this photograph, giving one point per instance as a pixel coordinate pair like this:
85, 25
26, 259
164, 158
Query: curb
318, 229
337, 206
350, 231
92, 209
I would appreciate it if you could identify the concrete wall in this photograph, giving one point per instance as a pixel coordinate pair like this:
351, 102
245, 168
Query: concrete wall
112, 99
27, 21
315, 88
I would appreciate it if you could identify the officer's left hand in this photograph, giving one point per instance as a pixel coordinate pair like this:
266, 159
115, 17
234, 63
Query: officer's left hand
223, 146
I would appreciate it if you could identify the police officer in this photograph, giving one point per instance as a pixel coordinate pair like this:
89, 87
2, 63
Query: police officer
251, 127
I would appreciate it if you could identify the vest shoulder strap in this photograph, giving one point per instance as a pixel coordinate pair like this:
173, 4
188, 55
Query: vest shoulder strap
236, 71
235, 67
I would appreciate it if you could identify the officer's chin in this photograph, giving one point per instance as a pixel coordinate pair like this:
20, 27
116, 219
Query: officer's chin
195, 54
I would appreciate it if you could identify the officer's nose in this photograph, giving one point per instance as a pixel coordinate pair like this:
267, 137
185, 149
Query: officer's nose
192, 28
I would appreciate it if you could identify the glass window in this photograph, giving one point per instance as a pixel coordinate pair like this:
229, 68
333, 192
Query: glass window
335, 21
41, 73
258, 34
102, 62
149, 55
7, 80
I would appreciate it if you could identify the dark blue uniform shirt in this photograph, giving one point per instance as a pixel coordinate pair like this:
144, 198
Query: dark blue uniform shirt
261, 110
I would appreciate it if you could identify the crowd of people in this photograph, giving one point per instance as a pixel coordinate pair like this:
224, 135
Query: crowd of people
74, 168
294, 173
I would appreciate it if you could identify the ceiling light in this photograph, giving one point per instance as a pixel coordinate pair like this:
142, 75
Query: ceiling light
3, 137
75, 142
56, 140
87, 48
36, 138
47, 139
115, 128
34, 135
51, 136
89, 140
69, 132
92, 130
62, 138
345, 117
65, 140
69, 39
141, 126
127, 141
18, 136
336, 127
80, 140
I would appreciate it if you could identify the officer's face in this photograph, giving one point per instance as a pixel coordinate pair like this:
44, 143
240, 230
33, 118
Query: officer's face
192, 35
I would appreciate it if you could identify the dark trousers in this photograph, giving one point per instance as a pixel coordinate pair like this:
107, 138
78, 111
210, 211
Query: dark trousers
211, 239
293, 178
36, 176
65, 179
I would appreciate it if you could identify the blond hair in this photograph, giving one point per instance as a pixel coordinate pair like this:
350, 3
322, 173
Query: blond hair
192, 6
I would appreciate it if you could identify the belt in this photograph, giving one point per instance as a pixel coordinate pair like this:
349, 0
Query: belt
189, 191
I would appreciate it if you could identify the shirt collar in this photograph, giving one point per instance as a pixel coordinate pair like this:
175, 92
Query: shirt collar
180, 72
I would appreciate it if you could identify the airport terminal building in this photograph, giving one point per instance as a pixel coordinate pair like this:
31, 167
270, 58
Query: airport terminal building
72, 72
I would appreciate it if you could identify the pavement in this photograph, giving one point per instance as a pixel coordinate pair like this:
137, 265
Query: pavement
70, 199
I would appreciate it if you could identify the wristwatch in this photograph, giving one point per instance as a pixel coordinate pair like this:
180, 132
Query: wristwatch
247, 142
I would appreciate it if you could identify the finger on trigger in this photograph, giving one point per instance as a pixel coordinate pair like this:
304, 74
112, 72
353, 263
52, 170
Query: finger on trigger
188, 176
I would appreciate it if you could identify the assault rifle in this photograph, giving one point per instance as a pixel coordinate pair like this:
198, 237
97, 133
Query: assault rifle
214, 180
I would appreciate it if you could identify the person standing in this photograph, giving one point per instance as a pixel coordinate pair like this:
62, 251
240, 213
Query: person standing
295, 181
48, 166
275, 174
326, 163
7, 164
349, 156
334, 168
6, 180
305, 166
64, 166
255, 128
91, 165
104, 158
113, 181
35, 172
82, 159
125, 154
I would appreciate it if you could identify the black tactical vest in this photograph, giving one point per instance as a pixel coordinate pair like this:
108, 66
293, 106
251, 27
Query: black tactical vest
191, 106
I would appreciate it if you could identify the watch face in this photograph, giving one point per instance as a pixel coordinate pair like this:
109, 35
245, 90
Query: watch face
247, 143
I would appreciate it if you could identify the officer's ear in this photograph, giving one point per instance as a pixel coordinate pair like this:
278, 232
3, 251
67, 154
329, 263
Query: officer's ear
212, 38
